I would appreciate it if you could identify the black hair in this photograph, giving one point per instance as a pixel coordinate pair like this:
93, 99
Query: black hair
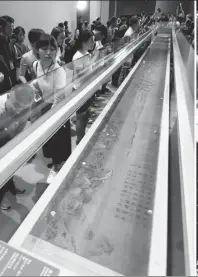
147, 20
121, 32
123, 19
34, 35
113, 20
190, 17
46, 40
108, 24
133, 20
56, 32
188, 22
3, 22
19, 29
8, 19
101, 28
98, 18
86, 23
79, 26
84, 36
61, 25
65, 23
159, 10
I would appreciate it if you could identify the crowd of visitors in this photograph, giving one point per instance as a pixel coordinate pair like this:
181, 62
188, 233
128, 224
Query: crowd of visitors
33, 77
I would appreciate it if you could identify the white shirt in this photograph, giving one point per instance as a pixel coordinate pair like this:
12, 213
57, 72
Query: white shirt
26, 64
3, 99
129, 32
99, 44
80, 62
58, 55
51, 82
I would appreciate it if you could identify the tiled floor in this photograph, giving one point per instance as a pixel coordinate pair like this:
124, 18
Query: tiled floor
32, 176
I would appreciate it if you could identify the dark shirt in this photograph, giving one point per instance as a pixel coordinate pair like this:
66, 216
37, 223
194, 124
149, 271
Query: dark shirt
6, 85
70, 51
7, 51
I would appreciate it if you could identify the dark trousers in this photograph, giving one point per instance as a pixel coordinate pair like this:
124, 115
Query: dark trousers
58, 147
115, 77
81, 124
9, 186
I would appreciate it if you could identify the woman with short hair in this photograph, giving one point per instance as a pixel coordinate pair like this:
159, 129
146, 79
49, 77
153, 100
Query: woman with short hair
21, 47
59, 34
51, 85
82, 62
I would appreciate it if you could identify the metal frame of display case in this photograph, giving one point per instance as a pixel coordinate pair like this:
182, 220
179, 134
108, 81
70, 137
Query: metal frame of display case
185, 132
158, 251
16, 152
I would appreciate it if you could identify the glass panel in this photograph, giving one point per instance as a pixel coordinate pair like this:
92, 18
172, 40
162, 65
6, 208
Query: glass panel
28, 102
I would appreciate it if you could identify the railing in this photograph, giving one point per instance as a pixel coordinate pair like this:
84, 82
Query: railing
159, 237
15, 153
185, 133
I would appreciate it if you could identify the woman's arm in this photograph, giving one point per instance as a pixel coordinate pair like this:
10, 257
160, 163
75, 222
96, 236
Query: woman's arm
22, 70
60, 85
1, 77
81, 70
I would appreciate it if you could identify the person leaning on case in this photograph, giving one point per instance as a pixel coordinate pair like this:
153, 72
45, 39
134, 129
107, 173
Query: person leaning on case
15, 109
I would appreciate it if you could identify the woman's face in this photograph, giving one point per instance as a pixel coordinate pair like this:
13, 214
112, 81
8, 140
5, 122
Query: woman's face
47, 54
115, 24
20, 37
60, 39
90, 43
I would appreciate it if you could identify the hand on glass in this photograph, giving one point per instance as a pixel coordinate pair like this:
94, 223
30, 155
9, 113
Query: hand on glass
61, 63
1, 77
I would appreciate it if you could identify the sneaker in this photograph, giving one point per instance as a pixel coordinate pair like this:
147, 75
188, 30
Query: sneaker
5, 205
16, 191
19, 191
90, 121
93, 114
94, 105
51, 176
99, 99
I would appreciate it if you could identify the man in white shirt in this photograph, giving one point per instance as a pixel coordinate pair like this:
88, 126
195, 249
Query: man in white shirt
133, 27
130, 35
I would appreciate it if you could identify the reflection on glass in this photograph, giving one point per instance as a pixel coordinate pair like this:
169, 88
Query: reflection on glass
55, 83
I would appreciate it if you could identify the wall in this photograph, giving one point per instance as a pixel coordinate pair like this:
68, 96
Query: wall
104, 11
111, 8
95, 9
84, 15
135, 7
40, 14
170, 6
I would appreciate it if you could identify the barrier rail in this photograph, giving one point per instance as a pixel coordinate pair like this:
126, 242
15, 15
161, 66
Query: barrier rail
158, 252
185, 124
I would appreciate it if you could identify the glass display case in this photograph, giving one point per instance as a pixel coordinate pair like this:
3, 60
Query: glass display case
66, 102
101, 216
106, 210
